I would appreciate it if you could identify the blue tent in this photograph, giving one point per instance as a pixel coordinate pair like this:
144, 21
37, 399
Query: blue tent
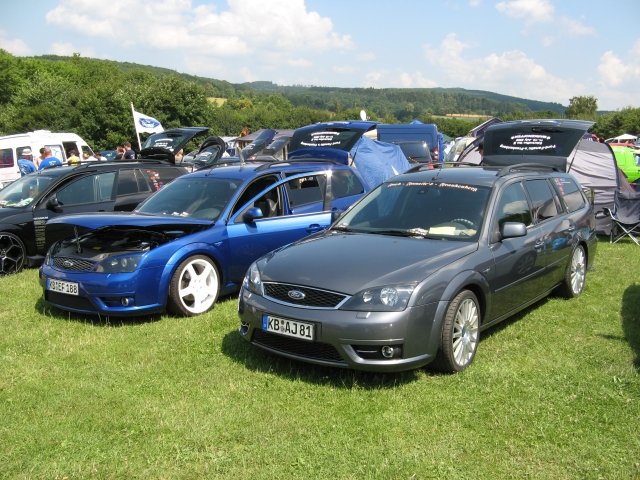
378, 161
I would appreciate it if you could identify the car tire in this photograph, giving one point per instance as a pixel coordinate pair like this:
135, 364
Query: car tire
575, 274
12, 253
194, 287
460, 334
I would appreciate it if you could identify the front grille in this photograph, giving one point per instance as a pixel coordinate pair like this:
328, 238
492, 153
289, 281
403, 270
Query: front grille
70, 301
73, 264
299, 348
312, 296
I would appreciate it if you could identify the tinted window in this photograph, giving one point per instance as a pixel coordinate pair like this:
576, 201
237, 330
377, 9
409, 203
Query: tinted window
344, 183
128, 183
513, 206
24, 190
542, 200
159, 177
89, 189
570, 193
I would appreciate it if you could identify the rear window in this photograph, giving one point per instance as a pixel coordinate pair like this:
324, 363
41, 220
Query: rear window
340, 138
543, 141
542, 199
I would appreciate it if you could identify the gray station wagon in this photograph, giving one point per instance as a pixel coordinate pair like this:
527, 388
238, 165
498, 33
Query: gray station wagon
414, 271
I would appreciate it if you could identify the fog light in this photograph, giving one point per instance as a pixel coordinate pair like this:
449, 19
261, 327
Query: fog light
388, 351
244, 328
126, 301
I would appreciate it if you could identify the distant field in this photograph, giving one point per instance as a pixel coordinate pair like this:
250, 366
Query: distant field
552, 394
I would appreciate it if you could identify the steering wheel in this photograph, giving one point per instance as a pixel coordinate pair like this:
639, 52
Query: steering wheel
465, 222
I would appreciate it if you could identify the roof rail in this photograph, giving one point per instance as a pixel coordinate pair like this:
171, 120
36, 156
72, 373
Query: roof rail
298, 161
527, 166
431, 166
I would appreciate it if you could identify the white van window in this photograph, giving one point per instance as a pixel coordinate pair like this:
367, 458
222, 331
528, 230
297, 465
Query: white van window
57, 151
6, 158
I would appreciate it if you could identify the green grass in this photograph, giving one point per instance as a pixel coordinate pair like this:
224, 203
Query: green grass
553, 394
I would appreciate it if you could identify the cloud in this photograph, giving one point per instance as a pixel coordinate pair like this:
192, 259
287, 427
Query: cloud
245, 27
575, 28
531, 11
14, 46
510, 72
415, 80
68, 49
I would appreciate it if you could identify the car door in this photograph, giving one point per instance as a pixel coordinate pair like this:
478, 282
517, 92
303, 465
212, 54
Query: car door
248, 239
87, 193
517, 274
131, 189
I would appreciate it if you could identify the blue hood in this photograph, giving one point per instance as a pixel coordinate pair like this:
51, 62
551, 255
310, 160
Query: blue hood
125, 219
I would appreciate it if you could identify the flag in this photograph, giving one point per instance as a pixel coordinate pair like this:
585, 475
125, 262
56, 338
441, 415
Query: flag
145, 123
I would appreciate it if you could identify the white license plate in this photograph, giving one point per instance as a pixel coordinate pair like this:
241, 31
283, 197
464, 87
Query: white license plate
60, 286
290, 328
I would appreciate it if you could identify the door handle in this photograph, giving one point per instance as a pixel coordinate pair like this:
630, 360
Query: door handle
314, 227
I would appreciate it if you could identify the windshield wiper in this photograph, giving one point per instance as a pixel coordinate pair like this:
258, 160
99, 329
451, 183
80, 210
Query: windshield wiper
403, 232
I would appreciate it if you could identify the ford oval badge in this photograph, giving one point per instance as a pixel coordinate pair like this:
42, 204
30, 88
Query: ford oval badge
296, 294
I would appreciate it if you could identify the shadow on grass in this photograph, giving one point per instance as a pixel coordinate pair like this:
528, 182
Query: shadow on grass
258, 360
630, 313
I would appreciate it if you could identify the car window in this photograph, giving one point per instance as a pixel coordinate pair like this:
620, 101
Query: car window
24, 190
88, 189
203, 198
302, 191
252, 190
6, 158
130, 181
159, 177
513, 206
421, 208
344, 183
542, 199
570, 193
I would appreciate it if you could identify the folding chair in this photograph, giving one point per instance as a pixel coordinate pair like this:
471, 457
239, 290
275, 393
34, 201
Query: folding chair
623, 227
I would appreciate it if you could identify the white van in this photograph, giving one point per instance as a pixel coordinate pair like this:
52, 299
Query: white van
11, 147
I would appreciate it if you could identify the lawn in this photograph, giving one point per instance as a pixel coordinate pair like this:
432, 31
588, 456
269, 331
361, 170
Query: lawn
553, 393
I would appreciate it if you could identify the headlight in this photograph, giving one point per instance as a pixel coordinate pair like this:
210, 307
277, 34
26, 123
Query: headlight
253, 281
120, 263
388, 298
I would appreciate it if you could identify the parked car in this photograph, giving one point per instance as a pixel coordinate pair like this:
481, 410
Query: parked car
27, 203
413, 272
193, 240
628, 160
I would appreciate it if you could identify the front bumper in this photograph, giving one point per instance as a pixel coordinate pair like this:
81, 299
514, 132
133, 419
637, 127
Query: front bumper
346, 339
122, 294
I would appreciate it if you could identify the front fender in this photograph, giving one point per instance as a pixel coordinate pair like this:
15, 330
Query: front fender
199, 248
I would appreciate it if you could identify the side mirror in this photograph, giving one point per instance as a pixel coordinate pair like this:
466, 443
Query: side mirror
252, 214
53, 205
513, 229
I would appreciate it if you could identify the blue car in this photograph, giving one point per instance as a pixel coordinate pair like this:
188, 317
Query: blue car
193, 240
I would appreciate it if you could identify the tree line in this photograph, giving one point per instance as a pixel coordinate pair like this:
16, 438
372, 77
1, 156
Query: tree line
93, 98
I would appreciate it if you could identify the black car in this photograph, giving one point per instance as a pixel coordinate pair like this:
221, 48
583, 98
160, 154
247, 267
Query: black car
27, 203
414, 271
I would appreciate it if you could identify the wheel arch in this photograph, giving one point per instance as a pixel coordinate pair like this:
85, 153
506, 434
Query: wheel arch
476, 283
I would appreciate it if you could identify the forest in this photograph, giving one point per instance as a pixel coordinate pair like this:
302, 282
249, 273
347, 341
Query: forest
93, 98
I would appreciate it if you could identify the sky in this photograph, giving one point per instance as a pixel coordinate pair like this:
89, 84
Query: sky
546, 50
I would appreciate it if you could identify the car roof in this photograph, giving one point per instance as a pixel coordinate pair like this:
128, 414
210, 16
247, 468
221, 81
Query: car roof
475, 175
252, 168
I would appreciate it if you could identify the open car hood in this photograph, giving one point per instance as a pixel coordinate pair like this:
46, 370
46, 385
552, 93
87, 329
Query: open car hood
164, 145
548, 142
68, 226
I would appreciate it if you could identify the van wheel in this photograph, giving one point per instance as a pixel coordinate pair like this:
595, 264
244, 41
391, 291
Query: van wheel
12, 253
194, 286
460, 334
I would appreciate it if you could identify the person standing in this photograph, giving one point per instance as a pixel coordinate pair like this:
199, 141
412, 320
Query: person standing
129, 154
73, 158
25, 162
49, 160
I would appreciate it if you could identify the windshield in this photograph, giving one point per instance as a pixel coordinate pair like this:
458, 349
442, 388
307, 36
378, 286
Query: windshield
428, 209
204, 198
24, 190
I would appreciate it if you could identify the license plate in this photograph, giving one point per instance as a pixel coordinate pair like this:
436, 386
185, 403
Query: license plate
60, 286
290, 328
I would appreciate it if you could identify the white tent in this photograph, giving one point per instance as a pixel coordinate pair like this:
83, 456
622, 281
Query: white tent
622, 138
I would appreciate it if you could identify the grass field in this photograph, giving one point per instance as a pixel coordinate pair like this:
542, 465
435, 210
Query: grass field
553, 394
